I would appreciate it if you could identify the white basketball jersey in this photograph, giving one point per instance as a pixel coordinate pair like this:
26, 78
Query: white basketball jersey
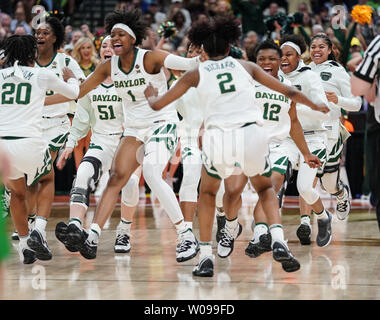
59, 61
21, 103
130, 87
275, 110
108, 109
226, 93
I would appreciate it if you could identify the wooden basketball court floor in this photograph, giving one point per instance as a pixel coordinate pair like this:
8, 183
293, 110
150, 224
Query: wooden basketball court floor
349, 268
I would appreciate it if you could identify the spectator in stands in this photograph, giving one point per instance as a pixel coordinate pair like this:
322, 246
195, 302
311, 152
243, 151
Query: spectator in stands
5, 22
211, 6
20, 30
223, 8
251, 40
75, 36
20, 20
179, 20
251, 12
158, 16
178, 5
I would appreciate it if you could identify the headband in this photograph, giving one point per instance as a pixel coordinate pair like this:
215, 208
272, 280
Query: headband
106, 38
293, 45
125, 28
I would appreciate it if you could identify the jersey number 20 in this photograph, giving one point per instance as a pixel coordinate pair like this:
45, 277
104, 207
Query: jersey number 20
22, 95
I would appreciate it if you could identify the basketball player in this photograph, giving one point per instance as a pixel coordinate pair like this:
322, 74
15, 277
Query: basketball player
234, 141
22, 102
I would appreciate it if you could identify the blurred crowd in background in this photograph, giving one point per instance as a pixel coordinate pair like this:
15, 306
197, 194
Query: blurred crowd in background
169, 21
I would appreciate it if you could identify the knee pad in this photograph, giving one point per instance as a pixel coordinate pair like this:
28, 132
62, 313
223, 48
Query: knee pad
86, 180
330, 181
130, 192
97, 164
306, 190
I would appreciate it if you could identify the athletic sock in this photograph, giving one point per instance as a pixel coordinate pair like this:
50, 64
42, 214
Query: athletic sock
260, 229
94, 234
277, 233
305, 219
41, 223
125, 226
322, 215
189, 225
205, 249
220, 212
181, 227
76, 222
232, 224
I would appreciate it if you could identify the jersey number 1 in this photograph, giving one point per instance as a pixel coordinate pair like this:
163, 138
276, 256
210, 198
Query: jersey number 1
22, 96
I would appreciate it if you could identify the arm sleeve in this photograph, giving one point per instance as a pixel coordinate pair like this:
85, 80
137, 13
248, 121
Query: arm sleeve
346, 100
175, 62
81, 122
367, 69
47, 79
303, 110
316, 92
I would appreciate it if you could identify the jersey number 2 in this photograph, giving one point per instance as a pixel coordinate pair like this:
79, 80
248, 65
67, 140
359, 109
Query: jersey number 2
22, 96
225, 85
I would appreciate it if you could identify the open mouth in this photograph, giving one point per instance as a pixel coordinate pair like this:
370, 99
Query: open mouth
117, 45
40, 43
285, 65
317, 55
268, 70
107, 56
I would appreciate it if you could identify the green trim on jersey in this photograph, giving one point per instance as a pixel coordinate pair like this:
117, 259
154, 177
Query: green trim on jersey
281, 165
268, 169
45, 169
133, 63
94, 146
186, 152
107, 86
12, 138
51, 61
57, 143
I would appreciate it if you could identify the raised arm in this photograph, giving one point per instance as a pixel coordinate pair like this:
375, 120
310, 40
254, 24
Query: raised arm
96, 78
189, 79
293, 93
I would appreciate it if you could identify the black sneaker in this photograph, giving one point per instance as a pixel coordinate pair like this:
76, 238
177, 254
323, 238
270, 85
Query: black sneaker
88, 250
324, 235
122, 243
220, 222
61, 234
205, 268
37, 243
282, 254
75, 237
29, 256
304, 234
226, 243
256, 249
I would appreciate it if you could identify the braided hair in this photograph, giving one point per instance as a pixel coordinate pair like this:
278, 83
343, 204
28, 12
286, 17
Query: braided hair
132, 19
216, 35
328, 41
20, 47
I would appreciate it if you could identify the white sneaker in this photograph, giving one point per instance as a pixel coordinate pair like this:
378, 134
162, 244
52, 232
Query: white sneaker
343, 205
187, 247
122, 242
226, 243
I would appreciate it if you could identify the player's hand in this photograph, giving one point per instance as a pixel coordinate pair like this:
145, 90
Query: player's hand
312, 160
63, 158
67, 74
321, 107
150, 91
331, 97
